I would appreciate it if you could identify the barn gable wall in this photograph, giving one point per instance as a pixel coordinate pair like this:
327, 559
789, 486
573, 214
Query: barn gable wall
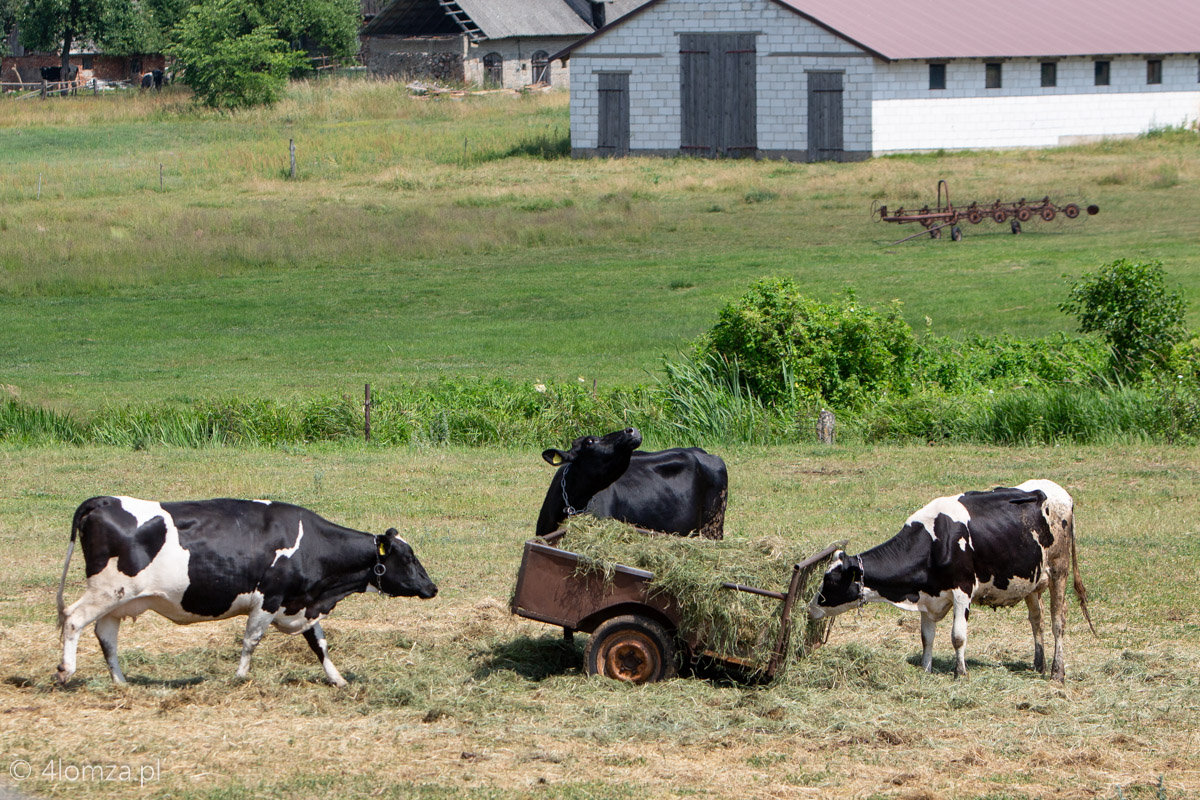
454, 59
647, 47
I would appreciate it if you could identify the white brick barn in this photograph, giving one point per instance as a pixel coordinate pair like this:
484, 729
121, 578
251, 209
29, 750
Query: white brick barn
841, 80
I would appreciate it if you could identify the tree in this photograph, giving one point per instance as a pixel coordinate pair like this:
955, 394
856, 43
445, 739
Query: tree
1127, 303
46, 24
230, 56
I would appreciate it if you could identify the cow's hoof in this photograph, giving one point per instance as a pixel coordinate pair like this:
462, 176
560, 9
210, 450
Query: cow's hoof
340, 683
63, 675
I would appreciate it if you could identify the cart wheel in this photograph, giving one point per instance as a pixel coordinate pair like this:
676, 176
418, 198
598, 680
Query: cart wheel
1016, 226
1071, 210
631, 648
1023, 213
1000, 215
956, 233
975, 217
1048, 213
936, 233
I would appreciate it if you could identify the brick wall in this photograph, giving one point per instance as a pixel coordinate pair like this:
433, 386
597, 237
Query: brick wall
27, 68
647, 47
455, 60
1022, 113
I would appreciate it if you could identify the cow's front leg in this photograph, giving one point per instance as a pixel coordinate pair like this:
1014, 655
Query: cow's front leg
1034, 602
256, 625
929, 622
316, 640
107, 628
958, 632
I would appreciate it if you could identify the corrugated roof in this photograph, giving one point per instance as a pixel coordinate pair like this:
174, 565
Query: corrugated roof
1014, 28
922, 29
503, 19
497, 19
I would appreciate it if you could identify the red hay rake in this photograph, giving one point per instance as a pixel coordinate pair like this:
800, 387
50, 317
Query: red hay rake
945, 214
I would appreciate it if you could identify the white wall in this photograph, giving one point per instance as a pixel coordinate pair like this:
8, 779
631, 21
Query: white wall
908, 115
518, 69
647, 47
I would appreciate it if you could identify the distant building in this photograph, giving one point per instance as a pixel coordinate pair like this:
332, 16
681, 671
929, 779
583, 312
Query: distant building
24, 66
841, 80
500, 43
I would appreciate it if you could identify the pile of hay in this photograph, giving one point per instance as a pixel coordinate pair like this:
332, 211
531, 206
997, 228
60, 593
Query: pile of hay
734, 625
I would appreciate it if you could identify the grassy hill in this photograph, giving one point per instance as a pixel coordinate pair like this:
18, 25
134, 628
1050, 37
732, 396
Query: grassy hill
450, 236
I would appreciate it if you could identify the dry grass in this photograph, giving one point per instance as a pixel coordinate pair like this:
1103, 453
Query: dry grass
456, 698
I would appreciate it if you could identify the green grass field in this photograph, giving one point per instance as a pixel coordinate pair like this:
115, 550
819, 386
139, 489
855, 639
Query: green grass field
446, 237
399, 253
454, 697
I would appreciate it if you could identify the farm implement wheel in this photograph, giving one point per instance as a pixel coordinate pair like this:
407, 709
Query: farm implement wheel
1048, 213
1071, 210
956, 233
1000, 215
1024, 213
935, 233
631, 648
975, 216
1016, 226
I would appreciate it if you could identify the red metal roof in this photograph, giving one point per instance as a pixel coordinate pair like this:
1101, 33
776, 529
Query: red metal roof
924, 29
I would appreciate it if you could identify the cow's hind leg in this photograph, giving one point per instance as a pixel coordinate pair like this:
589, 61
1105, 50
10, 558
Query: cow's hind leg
958, 631
256, 625
106, 631
89, 608
1058, 622
316, 640
1034, 602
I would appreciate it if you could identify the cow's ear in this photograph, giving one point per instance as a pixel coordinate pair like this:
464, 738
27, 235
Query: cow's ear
555, 458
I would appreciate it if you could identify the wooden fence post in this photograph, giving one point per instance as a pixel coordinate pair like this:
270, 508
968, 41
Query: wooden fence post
367, 411
292, 153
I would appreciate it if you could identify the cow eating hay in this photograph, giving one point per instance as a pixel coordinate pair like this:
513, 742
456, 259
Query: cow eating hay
994, 548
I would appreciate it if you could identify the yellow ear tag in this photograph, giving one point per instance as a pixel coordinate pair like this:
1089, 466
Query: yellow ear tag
382, 550
557, 459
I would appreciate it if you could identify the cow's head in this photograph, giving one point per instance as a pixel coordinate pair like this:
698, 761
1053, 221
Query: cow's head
597, 459
397, 571
841, 589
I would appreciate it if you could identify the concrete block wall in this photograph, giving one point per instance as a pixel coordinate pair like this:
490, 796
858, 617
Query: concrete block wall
647, 47
908, 115
518, 64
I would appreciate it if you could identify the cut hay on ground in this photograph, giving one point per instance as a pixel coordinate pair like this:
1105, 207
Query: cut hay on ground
734, 625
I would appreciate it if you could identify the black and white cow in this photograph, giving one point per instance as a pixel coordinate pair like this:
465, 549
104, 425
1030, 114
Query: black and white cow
681, 490
994, 548
278, 564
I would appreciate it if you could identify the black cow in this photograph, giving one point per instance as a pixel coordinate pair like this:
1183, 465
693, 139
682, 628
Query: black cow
995, 548
55, 74
681, 490
194, 561
153, 78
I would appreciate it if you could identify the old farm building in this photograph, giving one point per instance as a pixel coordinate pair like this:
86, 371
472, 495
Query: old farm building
501, 43
845, 79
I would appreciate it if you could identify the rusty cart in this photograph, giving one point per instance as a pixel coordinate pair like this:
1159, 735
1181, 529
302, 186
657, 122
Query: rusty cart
945, 214
635, 632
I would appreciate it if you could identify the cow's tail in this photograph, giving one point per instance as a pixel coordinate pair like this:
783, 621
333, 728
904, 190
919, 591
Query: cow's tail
80, 513
1080, 592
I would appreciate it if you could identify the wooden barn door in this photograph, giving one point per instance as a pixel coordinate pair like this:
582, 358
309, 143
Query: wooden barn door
718, 94
613, 139
825, 116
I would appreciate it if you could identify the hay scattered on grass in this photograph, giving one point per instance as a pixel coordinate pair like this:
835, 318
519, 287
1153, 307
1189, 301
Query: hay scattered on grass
735, 625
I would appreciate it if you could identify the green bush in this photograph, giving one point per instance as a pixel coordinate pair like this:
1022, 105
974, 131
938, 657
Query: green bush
231, 56
960, 366
1128, 304
795, 350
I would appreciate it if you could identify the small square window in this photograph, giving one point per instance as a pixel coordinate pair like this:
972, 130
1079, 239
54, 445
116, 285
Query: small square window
1049, 73
992, 78
937, 76
87, 62
1102, 76
1154, 70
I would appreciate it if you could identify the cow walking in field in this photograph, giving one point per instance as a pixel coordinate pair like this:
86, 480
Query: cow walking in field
681, 490
994, 548
275, 563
